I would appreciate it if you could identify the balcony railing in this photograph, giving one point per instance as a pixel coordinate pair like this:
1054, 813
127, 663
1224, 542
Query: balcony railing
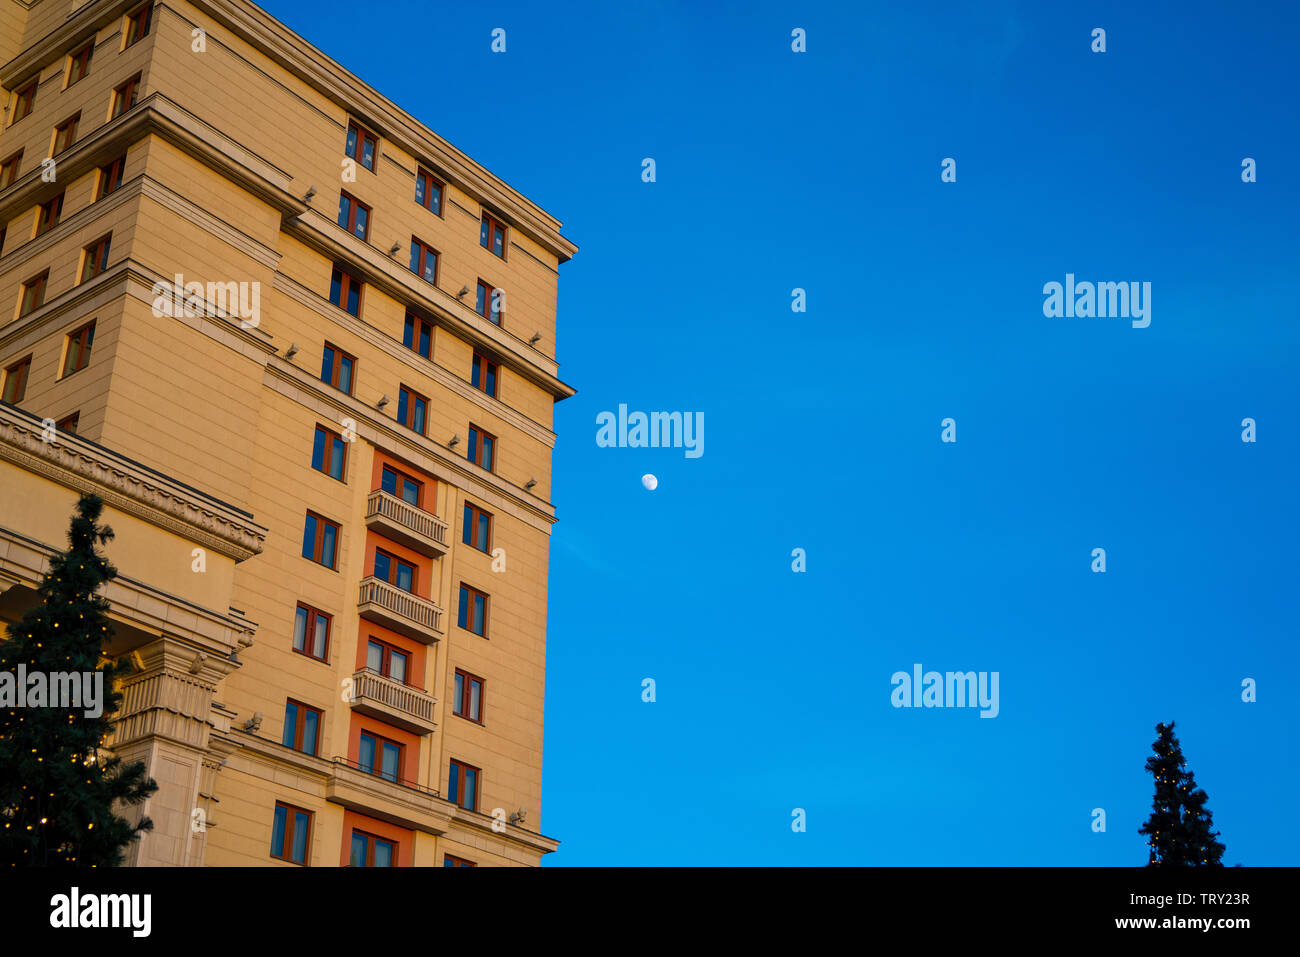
398, 704
407, 614
404, 803
401, 521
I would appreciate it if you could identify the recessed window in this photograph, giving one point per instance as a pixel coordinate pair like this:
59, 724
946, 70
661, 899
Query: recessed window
110, 177
137, 24
329, 453
77, 356
418, 335
428, 192
492, 236
23, 101
483, 375
290, 833
65, 134
468, 699
412, 409
9, 169
476, 528
387, 660
379, 756
450, 860
311, 632
47, 216
69, 424
345, 291
124, 97
482, 447
16, 381
489, 302
401, 485
473, 610
354, 216
462, 785
320, 539
337, 368
33, 295
391, 569
95, 259
301, 726
79, 63
360, 145
424, 261
370, 851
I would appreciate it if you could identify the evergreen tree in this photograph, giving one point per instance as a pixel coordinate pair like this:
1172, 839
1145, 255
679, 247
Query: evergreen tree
57, 789
1179, 828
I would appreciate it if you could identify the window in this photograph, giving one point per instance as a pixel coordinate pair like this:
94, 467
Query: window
424, 261
96, 259
345, 291
428, 192
79, 63
137, 24
354, 216
360, 145
482, 445
320, 538
23, 100
418, 335
412, 408
329, 453
301, 726
311, 632
16, 380
68, 424
402, 485
33, 293
468, 701
476, 528
65, 134
337, 368
483, 375
379, 756
462, 785
473, 610
393, 570
371, 851
489, 302
77, 356
47, 217
384, 659
9, 169
450, 860
291, 833
110, 177
492, 236
124, 96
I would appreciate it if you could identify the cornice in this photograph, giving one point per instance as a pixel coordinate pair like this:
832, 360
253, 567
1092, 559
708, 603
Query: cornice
80, 25
82, 465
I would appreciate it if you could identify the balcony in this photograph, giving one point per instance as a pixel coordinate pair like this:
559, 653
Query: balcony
417, 618
403, 803
391, 701
402, 522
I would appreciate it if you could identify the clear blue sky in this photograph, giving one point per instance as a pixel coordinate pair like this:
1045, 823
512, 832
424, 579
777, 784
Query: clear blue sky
821, 170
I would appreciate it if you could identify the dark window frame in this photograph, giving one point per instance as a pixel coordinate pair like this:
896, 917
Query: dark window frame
84, 338
362, 135
138, 23
49, 213
353, 206
318, 545
299, 724
405, 476
474, 450
110, 177
459, 798
80, 58
420, 253
488, 225
427, 179
484, 294
346, 283
25, 100
13, 394
332, 440
481, 368
291, 813
465, 603
388, 650
372, 841
393, 563
470, 525
69, 127
378, 769
69, 423
406, 403
461, 707
309, 632
416, 330
336, 368
451, 860
130, 90
95, 259
9, 169
33, 290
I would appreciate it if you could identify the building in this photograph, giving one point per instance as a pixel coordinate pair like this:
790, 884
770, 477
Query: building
326, 458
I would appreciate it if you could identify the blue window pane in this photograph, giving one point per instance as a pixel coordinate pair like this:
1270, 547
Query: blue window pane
410, 492
277, 833
345, 364
402, 399
327, 364
466, 524
345, 211
300, 838
471, 787
435, 194
322, 634
415, 259
392, 755
327, 546
405, 576
491, 380
336, 461
363, 221
483, 233
388, 478
408, 331
487, 453
419, 189
420, 408
318, 451
460, 692
358, 856
424, 339
480, 613
351, 147
430, 267
300, 630
366, 753
290, 725
383, 854
464, 607
453, 782
309, 719
383, 568
473, 445
309, 538
368, 153
480, 300
483, 533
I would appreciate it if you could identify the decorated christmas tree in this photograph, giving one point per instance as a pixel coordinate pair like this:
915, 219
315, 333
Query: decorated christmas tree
57, 788
1179, 830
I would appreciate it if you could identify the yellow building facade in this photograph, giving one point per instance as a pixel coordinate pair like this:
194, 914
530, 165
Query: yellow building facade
305, 351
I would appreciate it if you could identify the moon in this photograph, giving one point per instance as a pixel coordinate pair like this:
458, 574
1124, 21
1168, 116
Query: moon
650, 482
